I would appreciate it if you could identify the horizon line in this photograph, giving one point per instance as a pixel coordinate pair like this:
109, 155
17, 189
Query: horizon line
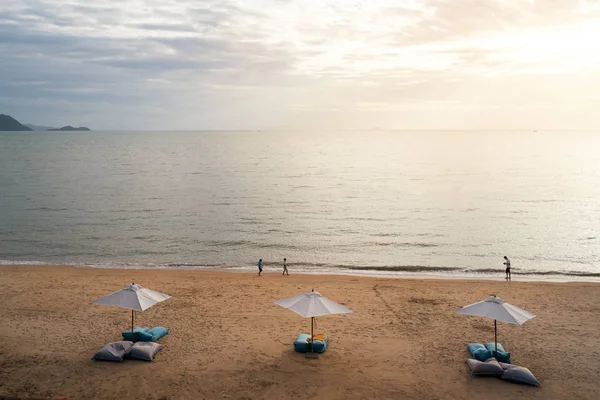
538, 130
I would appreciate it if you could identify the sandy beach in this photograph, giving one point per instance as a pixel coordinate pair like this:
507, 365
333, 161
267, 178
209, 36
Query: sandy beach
228, 339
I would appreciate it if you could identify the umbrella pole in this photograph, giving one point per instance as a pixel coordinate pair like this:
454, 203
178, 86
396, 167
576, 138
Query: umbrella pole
132, 335
312, 334
495, 336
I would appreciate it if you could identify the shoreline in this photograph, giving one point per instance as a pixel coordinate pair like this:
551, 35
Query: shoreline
460, 276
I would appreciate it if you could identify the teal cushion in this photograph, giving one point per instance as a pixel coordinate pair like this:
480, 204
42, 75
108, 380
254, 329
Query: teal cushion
501, 355
144, 336
474, 346
136, 333
301, 345
319, 346
479, 352
156, 333
492, 347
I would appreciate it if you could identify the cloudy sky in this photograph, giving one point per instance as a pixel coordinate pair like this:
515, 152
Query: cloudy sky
297, 64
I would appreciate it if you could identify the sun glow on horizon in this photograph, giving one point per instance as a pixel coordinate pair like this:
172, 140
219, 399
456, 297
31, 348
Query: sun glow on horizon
267, 63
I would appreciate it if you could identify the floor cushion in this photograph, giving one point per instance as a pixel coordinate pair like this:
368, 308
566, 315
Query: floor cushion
113, 351
320, 343
479, 352
501, 355
302, 344
155, 333
139, 333
144, 351
489, 367
514, 373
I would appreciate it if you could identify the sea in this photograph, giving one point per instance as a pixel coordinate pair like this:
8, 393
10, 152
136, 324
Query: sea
393, 203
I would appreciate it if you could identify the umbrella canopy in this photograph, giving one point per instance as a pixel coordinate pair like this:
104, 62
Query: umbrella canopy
133, 297
311, 305
497, 309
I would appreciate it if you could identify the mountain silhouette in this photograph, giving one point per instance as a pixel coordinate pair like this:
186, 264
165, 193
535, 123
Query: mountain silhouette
8, 123
71, 128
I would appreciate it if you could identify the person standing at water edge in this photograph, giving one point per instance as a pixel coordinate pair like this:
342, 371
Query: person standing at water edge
285, 270
259, 266
507, 263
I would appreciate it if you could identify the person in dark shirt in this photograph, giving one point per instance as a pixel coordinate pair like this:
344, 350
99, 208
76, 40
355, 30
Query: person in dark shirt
285, 270
507, 263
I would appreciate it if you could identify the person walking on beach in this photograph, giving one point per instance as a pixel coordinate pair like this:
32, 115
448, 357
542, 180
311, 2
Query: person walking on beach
507, 263
285, 270
259, 266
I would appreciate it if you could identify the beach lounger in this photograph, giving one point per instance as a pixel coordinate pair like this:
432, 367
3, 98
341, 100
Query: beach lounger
303, 342
479, 351
501, 355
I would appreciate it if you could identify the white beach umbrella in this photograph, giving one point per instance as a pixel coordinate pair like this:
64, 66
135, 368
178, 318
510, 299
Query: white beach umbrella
133, 297
497, 309
311, 305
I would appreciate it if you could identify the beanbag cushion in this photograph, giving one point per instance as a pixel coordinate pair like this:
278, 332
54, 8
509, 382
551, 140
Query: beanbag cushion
113, 351
143, 351
302, 343
139, 333
479, 352
514, 373
154, 334
489, 367
320, 343
502, 355
492, 347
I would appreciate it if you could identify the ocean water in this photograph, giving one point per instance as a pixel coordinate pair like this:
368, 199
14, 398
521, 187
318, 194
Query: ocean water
382, 202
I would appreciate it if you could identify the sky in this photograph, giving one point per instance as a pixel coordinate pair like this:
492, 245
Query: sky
301, 64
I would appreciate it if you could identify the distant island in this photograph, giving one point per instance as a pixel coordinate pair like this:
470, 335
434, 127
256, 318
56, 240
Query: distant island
71, 128
8, 123
39, 127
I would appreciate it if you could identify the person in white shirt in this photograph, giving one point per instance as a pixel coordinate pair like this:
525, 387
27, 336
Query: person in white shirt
507, 263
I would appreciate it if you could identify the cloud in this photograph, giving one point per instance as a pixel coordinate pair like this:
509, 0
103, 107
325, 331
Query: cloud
271, 63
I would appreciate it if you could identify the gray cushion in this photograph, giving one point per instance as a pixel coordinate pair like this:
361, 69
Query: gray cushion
489, 367
514, 373
113, 351
144, 351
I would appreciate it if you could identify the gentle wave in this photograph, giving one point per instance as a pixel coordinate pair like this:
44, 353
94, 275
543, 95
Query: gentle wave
329, 268
403, 244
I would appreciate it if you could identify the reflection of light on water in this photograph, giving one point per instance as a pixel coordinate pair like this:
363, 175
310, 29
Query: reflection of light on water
331, 201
